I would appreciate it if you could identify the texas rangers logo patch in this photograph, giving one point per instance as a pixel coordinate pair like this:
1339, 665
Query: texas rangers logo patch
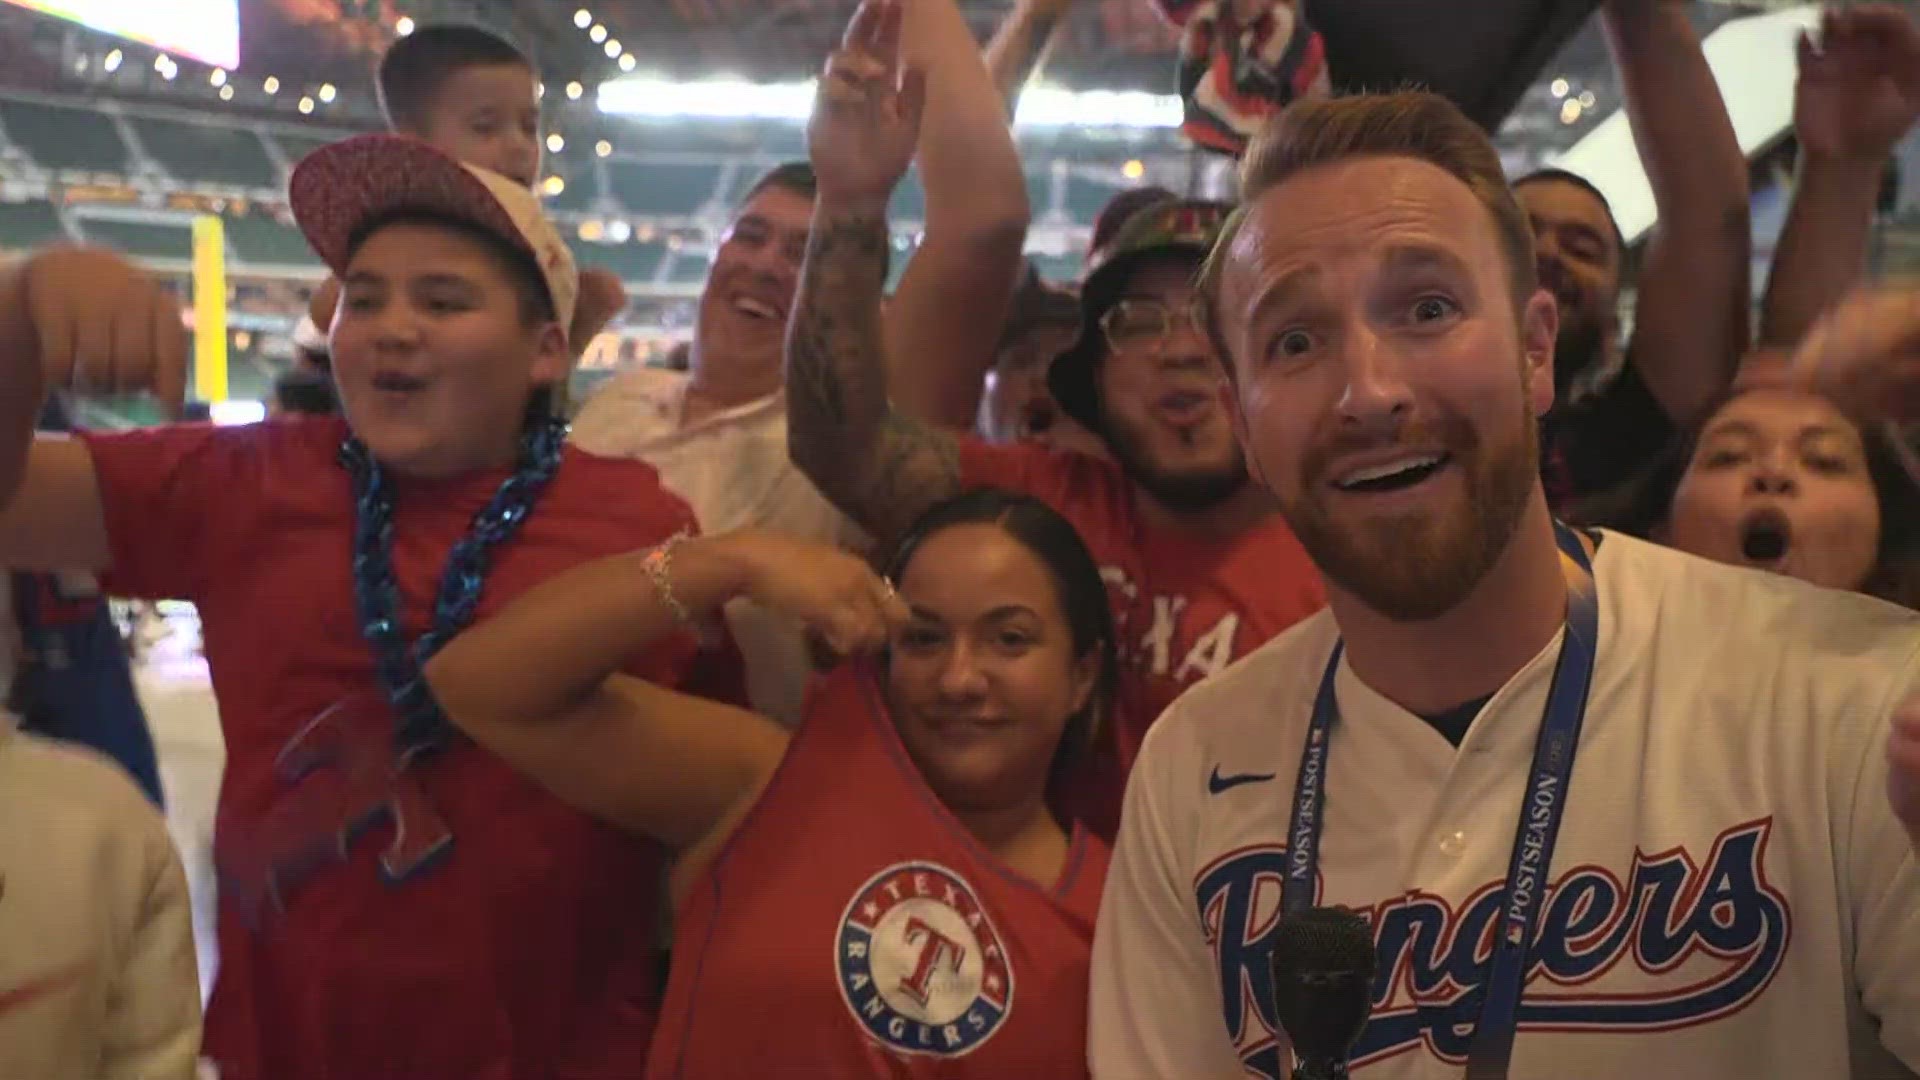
921, 965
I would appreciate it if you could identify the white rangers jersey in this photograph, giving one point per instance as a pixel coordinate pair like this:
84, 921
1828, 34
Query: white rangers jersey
1730, 897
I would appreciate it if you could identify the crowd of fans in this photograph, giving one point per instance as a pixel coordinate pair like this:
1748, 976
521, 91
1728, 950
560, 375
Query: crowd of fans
930, 669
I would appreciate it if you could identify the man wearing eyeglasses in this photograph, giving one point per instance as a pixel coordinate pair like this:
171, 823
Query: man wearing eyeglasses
1200, 568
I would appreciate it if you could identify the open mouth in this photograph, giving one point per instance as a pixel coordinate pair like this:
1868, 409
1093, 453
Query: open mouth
1396, 475
1765, 537
394, 382
1184, 409
756, 309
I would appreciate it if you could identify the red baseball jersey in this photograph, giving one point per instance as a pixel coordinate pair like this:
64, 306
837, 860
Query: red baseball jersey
852, 928
529, 952
1185, 605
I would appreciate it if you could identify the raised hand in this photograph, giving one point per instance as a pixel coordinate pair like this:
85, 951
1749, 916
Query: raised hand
98, 324
866, 113
1865, 355
834, 593
1859, 88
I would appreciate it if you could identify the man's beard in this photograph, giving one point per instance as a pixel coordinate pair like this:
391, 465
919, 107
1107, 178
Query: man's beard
1180, 490
1417, 567
1579, 349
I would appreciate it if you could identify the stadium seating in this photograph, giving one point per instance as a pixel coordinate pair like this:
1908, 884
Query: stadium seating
296, 147
28, 225
65, 139
659, 170
141, 239
207, 154
689, 268
663, 188
583, 183
262, 240
635, 262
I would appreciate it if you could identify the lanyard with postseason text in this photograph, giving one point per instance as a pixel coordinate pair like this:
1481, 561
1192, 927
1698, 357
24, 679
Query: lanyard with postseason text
1546, 798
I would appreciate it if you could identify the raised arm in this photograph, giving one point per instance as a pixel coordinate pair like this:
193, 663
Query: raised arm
1858, 94
1690, 322
86, 319
880, 467
647, 759
1020, 47
945, 318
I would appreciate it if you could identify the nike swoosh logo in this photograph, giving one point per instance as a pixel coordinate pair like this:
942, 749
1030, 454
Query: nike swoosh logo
1217, 783
20, 996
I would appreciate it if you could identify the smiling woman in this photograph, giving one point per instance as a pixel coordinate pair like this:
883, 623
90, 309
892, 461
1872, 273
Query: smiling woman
902, 831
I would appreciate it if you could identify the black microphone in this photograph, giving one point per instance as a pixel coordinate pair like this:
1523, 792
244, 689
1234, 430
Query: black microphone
1323, 964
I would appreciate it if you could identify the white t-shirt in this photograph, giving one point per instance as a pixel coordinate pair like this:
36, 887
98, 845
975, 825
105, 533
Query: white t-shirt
97, 969
732, 469
1730, 897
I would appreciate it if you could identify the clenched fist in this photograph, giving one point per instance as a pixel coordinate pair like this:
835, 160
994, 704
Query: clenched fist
96, 323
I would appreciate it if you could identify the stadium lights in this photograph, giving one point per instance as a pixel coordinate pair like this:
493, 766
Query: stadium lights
1570, 110
554, 185
403, 25
218, 76
1134, 169
226, 93
583, 18
603, 148
574, 90
271, 86
306, 105
1559, 88
112, 62
735, 99
598, 33
613, 48
327, 93
555, 143
627, 62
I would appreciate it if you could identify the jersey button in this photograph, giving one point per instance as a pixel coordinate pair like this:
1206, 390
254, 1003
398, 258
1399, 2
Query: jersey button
1453, 844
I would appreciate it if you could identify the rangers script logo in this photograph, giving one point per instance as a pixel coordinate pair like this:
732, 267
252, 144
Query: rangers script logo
1674, 941
921, 965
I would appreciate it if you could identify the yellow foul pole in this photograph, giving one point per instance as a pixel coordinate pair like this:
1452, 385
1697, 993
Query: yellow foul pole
209, 308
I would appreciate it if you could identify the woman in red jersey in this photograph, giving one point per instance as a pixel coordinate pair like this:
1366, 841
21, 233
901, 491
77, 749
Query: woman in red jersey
882, 893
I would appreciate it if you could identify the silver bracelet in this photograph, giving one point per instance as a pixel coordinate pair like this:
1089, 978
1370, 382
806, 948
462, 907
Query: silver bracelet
659, 570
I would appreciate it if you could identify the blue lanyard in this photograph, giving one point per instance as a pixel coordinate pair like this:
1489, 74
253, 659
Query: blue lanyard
1539, 827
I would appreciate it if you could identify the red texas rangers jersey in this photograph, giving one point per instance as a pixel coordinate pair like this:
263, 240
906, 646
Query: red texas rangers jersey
852, 928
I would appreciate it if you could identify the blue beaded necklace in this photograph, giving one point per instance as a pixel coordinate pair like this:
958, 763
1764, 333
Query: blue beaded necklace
420, 727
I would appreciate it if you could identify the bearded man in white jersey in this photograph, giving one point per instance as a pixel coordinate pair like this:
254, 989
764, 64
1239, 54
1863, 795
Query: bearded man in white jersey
1708, 880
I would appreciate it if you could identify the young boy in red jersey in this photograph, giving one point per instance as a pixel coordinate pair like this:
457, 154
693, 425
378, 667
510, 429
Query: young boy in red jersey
475, 97
395, 902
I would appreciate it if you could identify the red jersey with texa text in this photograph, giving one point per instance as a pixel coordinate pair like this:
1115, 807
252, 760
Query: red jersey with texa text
851, 928
528, 953
1185, 605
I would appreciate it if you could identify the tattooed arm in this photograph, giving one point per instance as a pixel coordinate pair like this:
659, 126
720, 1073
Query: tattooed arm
880, 467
